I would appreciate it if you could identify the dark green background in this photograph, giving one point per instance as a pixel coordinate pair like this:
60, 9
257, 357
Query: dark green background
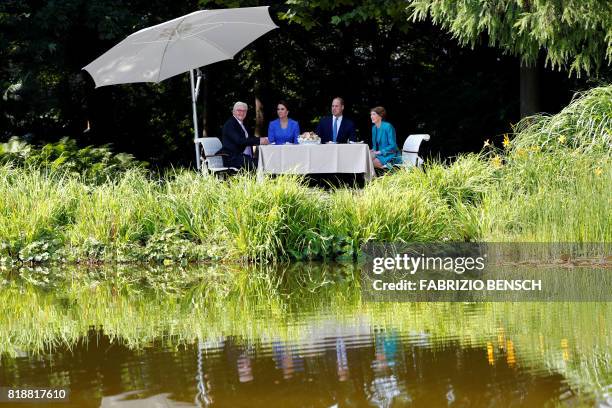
427, 82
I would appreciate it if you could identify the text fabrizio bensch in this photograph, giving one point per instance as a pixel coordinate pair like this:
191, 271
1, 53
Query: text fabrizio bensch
411, 264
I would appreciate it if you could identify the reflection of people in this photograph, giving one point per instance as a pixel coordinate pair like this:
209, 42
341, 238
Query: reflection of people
384, 146
238, 144
245, 371
336, 128
385, 388
283, 130
286, 360
341, 360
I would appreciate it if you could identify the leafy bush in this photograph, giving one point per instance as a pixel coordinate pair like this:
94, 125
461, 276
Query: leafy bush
94, 164
584, 125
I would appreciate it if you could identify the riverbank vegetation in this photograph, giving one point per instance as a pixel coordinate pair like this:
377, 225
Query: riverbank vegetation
548, 182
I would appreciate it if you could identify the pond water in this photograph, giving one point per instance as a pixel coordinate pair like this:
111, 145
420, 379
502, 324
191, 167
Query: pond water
251, 341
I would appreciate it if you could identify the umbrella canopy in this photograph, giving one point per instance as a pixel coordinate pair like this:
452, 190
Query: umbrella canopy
176, 46
180, 45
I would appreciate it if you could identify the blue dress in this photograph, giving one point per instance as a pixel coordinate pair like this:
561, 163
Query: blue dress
383, 139
278, 135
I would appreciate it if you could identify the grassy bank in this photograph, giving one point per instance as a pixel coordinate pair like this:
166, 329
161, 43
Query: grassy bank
556, 176
549, 182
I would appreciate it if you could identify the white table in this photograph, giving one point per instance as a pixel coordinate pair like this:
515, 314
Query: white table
316, 159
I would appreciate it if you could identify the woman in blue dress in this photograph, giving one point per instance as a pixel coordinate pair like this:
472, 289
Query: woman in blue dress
283, 130
384, 146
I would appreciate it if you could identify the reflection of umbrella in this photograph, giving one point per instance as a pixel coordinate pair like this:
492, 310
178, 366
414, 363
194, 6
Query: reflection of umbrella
183, 44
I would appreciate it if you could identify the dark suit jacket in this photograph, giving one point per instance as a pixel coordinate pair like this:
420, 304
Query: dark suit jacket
345, 133
234, 143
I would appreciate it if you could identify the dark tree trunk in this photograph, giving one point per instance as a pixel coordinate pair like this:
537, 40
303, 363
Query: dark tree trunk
262, 86
383, 47
259, 117
530, 90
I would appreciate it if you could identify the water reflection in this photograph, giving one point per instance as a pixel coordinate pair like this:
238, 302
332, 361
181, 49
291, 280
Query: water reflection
385, 370
260, 345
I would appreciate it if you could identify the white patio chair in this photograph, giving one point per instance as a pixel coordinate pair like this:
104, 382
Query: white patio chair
410, 150
211, 161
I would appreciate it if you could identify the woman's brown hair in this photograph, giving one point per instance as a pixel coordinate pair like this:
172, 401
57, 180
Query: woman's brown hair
380, 111
284, 103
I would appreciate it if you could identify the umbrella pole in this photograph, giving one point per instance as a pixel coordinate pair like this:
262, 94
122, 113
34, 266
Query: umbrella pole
194, 96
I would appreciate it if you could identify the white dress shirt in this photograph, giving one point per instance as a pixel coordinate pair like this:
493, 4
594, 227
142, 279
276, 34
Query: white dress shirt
247, 150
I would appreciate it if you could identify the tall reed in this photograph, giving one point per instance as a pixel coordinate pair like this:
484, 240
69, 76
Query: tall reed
584, 125
34, 205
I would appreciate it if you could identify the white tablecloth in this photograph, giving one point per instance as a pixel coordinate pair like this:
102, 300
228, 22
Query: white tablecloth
312, 159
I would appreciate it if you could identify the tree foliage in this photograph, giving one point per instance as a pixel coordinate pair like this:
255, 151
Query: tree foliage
575, 35
93, 164
370, 52
346, 12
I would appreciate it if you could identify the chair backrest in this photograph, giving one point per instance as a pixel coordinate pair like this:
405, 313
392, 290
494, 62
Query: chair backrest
210, 146
410, 150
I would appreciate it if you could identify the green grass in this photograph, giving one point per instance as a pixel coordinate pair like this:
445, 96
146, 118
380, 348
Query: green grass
551, 197
550, 182
243, 219
556, 181
584, 125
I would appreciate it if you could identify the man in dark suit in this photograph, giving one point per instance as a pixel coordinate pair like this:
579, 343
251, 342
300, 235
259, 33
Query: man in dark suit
336, 128
237, 149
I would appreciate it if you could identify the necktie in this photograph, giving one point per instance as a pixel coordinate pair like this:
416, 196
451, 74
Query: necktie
335, 128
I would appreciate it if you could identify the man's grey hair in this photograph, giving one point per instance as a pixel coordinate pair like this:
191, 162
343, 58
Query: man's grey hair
240, 105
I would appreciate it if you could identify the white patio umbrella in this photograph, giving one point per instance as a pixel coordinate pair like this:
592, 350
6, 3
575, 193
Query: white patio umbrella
180, 45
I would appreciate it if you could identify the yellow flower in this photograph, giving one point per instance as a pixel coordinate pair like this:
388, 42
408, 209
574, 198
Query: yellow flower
565, 349
490, 355
510, 354
487, 143
598, 171
561, 139
506, 141
496, 161
520, 152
